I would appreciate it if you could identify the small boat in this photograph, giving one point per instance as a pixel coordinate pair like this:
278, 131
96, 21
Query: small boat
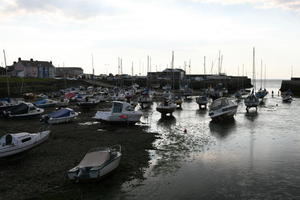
23, 110
8, 103
45, 103
120, 113
145, 100
261, 93
62, 115
88, 102
166, 107
178, 101
96, 164
202, 101
11, 144
287, 97
251, 101
222, 108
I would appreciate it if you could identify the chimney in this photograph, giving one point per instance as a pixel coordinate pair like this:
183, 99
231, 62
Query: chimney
19, 59
15, 62
51, 62
31, 60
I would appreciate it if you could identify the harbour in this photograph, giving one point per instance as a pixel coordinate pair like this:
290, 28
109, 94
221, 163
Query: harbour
255, 155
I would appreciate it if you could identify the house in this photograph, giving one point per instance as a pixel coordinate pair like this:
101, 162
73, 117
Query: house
68, 72
31, 69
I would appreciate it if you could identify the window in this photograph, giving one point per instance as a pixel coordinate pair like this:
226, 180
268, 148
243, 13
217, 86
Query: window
26, 139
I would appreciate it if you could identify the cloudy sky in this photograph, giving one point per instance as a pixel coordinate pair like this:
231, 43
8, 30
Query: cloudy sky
68, 32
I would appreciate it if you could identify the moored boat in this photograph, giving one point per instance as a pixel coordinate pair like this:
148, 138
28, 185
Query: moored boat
166, 107
23, 110
45, 103
11, 144
62, 115
96, 164
222, 108
120, 113
202, 101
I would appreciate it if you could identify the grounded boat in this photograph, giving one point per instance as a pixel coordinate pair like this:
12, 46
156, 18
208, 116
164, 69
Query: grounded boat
11, 144
222, 108
251, 101
96, 164
63, 115
63, 103
8, 103
23, 110
261, 93
45, 103
88, 102
166, 107
202, 101
287, 97
121, 113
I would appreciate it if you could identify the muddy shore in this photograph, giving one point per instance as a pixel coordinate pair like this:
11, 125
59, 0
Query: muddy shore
41, 172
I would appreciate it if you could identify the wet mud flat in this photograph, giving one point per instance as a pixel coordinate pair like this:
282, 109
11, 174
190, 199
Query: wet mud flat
41, 172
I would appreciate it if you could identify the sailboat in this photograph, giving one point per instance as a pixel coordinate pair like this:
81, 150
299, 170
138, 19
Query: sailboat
252, 101
261, 93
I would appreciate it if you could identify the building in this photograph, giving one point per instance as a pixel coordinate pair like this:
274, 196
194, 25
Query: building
68, 72
31, 69
173, 77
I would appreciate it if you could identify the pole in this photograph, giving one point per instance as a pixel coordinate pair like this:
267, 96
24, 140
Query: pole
204, 64
261, 74
7, 80
254, 82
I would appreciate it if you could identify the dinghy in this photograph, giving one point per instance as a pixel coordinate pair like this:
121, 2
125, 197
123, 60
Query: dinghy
251, 101
121, 113
11, 144
96, 164
222, 108
23, 110
62, 115
45, 103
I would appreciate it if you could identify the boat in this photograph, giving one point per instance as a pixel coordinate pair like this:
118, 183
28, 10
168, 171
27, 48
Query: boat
23, 110
8, 103
145, 99
261, 93
96, 164
45, 103
178, 101
11, 144
287, 97
251, 101
120, 113
88, 102
222, 108
202, 101
62, 115
166, 107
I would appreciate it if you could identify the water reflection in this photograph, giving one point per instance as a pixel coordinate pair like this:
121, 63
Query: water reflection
222, 129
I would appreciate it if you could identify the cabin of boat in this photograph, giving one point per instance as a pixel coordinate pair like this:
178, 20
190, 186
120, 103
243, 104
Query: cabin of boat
96, 164
23, 110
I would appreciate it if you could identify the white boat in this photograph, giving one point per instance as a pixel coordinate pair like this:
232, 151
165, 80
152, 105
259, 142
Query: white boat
63, 115
11, 144
202, 101
166, 107
222, 108
96, 164
23, 110
121, 112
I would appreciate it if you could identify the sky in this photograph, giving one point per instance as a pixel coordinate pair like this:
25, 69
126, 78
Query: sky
71, 32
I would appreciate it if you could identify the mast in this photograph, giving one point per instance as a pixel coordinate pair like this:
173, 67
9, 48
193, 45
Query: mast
172, 63
204, 65
265, 76
93, 66
254, 81
261, 74
7, 80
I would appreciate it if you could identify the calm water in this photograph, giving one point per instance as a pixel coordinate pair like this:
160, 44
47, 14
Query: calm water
252, 157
